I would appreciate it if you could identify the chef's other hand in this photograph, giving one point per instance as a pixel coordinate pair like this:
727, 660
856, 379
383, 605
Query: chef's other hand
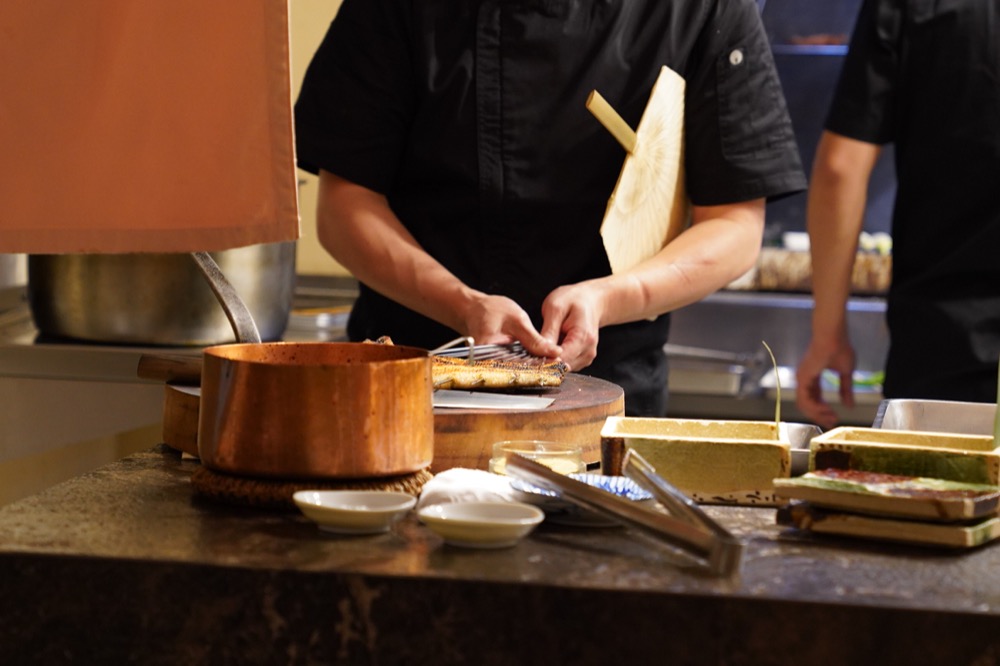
808, 389
500, 320
572, 316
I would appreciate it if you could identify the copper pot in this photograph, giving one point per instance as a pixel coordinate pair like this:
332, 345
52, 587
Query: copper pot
316, 410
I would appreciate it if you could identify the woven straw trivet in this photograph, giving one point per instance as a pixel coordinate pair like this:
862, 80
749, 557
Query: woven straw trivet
277, 494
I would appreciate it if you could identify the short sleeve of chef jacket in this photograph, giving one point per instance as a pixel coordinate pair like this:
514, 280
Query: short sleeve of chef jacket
382, 59
863, 103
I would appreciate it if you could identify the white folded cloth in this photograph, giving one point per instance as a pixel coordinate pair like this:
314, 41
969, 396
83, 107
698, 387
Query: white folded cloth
466, 485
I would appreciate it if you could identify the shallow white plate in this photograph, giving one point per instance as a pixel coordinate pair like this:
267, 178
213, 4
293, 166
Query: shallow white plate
354, 511
481, 524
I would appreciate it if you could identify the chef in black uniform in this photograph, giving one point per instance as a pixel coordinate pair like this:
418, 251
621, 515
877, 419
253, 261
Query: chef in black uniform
463, 181
924, 76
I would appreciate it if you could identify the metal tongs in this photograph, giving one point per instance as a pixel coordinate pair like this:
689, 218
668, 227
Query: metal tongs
686, 526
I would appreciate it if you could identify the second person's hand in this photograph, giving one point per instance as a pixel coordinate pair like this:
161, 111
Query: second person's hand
809, 392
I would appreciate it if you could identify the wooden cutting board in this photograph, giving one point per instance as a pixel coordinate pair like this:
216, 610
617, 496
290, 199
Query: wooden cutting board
463, 437
180, 417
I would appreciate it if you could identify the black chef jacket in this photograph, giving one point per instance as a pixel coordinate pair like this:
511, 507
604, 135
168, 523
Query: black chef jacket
926, 76
470, 117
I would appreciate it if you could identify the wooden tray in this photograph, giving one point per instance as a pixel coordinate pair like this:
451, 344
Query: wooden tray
817, 520
876, 500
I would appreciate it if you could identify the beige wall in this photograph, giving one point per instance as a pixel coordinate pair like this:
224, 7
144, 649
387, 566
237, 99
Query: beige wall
309, 22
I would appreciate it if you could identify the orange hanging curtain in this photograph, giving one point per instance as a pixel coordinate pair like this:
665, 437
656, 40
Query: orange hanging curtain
145, 126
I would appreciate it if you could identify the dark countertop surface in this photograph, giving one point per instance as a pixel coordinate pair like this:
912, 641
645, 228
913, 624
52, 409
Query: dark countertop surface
128, 565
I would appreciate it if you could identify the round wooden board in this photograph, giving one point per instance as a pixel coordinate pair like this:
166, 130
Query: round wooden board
180, 417
465, 437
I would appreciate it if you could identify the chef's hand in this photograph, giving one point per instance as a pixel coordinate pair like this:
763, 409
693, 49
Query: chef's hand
809, 392
500, 320
572, 317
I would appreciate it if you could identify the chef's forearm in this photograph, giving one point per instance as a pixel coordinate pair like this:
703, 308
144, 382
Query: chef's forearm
721, 244
357, 227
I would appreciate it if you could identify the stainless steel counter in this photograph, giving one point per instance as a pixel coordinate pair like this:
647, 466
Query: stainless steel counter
737, 323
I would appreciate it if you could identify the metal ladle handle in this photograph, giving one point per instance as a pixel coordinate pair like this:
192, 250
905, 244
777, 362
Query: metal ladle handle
236, 310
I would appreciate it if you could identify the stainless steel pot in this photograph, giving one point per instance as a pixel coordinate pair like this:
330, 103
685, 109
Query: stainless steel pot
158, 299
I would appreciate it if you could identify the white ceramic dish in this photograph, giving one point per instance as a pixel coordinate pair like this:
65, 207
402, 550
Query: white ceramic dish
947, 416
481, 524
354, 511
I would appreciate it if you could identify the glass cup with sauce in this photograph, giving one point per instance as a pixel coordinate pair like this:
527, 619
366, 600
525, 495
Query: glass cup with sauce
561, 457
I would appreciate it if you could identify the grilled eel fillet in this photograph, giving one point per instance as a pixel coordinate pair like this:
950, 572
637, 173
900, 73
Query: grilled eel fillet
450, 372
460, 373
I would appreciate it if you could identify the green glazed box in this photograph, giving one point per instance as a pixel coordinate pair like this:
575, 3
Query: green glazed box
711, 461
956, 457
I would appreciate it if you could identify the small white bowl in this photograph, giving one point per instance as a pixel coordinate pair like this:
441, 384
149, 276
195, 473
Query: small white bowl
354, 511
481, 524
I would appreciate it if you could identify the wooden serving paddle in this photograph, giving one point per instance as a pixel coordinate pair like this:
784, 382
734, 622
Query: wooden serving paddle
649, 206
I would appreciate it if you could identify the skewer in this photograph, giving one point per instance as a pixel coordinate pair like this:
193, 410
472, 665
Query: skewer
488, 352
449, 349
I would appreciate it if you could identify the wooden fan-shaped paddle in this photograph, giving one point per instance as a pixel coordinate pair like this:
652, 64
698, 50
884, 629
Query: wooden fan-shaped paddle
648, 207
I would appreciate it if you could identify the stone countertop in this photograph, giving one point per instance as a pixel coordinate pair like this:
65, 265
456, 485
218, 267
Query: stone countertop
127, 565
